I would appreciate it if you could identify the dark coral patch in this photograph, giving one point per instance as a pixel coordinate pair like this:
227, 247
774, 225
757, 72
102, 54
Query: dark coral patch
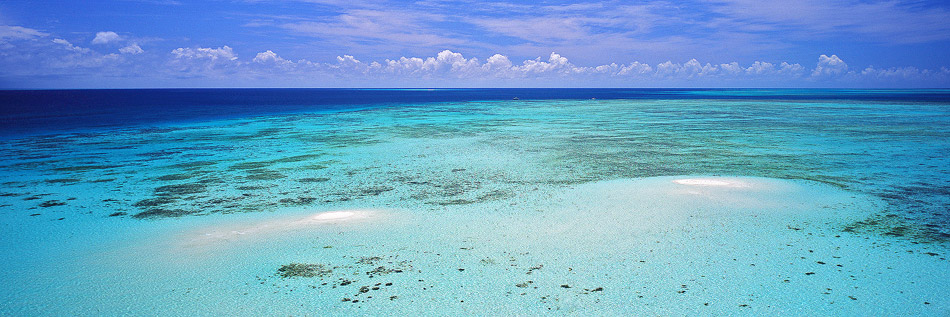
63, 181
152, 202
180, 189
303, 270
84, 168
163, 213
52, 203
174, 177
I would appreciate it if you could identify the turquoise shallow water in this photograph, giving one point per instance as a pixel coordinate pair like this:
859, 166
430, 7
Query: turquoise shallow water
491, 206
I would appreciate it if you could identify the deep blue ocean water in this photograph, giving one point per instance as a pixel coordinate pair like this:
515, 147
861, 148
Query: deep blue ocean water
828, 202
54, 111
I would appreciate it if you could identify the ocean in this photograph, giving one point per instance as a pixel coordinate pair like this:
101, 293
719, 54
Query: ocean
474, 201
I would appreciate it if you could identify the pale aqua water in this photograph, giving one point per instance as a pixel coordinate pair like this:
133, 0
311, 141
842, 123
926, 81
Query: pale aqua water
472, 200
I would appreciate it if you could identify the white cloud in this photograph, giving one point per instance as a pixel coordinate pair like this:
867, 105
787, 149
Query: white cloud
106, 37
455, 61
829, 65
452, 65
268, 63
759, 68
402, 65
56, 60
446, 68
445, 63
224, 53
348, 61
132, 49
614, 69
894, 72
69, 46
19, 33
791, 69
498, 62
449, 64
555, 63
62, 57
735, 70
269, 57
218, 62
732, 68
635, 68
688, 70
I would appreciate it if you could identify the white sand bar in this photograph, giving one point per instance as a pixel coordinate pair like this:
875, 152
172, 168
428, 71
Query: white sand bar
657, 246
722, 182
262, 229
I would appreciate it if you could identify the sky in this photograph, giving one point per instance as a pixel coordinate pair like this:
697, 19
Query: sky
435, 43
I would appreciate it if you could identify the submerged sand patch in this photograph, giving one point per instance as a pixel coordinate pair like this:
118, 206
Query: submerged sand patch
663, 245
692, 212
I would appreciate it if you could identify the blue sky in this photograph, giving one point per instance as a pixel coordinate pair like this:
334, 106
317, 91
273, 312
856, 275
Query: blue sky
340, 43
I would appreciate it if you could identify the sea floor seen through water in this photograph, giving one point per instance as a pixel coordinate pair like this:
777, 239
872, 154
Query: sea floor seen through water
603, 207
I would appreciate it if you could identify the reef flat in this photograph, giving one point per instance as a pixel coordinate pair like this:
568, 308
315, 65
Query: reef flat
693, 206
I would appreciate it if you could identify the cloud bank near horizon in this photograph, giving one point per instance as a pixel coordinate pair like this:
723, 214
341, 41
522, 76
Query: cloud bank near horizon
463, 43
115, 58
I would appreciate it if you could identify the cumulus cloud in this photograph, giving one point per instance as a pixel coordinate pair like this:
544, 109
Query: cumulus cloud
224, 53
829, 65
691, 69
268, 57
448, 68
635, 68
497, 62
445, 63
613, 69
205, 62
731, 68
454, 65
448, 64
106, 37
759, 68
404, 65
348, 62
555, 63
791, 69
268, 63
132, 49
